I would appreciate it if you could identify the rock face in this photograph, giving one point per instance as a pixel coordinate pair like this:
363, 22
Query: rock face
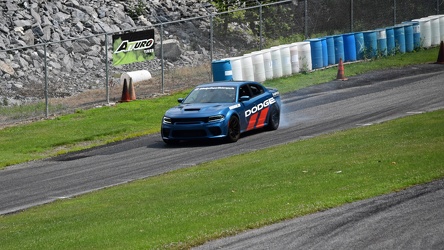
73, 65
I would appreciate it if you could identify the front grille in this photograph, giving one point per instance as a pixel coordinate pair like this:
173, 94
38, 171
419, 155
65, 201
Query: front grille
189, 120
189, 133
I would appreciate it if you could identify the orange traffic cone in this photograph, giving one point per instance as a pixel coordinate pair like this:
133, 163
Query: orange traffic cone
132, 92
441, 54
340, 75
125, 94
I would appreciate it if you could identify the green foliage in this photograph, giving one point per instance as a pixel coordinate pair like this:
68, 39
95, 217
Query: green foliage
137, 10
251, 17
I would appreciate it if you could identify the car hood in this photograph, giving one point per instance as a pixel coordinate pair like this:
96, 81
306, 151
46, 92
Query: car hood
199, 109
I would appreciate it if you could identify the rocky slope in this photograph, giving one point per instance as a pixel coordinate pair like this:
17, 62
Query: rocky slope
75, 65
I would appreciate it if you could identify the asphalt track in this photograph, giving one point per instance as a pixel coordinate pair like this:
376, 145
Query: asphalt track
362, 100
411, 219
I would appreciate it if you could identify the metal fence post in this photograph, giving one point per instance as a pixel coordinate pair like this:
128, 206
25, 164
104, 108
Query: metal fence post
306, 18
46, 82
394, 12
351, 16
211, 36
161, 58
106, 69
260, 26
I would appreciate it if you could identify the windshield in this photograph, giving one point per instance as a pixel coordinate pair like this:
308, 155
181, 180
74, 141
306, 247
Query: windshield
212, 95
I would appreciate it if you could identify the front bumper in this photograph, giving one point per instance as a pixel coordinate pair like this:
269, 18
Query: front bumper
194, 131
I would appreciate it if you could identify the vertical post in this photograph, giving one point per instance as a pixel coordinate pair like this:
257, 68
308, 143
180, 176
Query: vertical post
106, 69
46, 82
394, 12
211, 45
161, 57
306, 18
211, 36
260, 26
351, 15
437, 7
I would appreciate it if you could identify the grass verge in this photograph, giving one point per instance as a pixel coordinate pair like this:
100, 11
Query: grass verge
88, 128
187, 207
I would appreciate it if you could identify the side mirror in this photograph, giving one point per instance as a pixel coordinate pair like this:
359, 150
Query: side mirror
244, 98
180, 100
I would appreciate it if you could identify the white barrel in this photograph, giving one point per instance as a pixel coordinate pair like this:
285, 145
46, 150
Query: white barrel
276, 61
258, 66
436, 36
268, 65
247, 68
304, 55
294, 58
441, 26
285, 59
426, 31
236, 67
135, 76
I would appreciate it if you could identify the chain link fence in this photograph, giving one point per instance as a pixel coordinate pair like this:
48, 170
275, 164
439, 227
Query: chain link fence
59, 77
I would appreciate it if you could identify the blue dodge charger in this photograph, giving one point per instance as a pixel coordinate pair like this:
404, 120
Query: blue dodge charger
222, 110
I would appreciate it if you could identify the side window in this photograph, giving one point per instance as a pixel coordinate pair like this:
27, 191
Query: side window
244, 91
256, 89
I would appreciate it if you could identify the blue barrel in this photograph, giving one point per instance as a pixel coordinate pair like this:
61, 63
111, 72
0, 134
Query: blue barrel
400, 38
409, 42
317, 60
382, 41
339, 48
349, 47
359, 39
370, 44
390, 40
324, 52
331, 50
222, 70
416, 35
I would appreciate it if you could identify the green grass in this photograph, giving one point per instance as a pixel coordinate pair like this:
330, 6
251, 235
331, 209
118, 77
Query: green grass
88, 128
84, 128
187, 207
29, 110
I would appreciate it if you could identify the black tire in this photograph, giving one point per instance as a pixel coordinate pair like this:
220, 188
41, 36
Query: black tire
274, 118
233, 129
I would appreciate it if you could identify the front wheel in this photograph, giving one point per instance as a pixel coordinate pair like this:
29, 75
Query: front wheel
233, 129
274, 118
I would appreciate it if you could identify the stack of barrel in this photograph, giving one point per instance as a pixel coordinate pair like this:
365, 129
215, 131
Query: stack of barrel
318, 53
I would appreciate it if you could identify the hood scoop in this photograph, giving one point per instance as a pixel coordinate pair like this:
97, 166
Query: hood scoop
191, 109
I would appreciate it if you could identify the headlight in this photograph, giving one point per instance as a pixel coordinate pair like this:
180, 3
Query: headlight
166, 120
216, 118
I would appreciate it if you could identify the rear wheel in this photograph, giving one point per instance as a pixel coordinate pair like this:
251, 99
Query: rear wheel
274, 118
233, 129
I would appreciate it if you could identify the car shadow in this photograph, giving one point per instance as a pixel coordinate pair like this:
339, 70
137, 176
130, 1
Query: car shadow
202, 142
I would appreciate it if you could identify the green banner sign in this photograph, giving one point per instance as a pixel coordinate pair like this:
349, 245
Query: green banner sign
133, 47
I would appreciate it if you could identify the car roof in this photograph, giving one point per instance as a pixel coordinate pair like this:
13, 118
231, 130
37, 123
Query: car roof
225, 83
